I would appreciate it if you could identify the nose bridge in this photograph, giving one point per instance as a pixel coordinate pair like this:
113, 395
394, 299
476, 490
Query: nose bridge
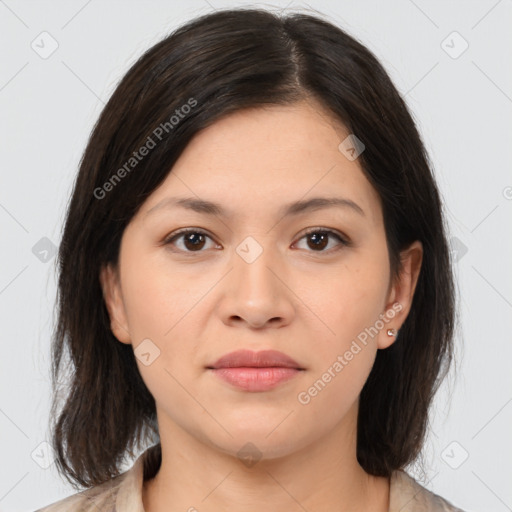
255, 293
256, 263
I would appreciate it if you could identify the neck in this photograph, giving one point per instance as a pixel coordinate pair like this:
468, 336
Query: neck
324, 475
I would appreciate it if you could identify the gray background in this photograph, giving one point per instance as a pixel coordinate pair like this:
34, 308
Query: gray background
462, 101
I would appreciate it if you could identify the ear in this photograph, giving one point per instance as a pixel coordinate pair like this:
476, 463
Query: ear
401, 293
110, 284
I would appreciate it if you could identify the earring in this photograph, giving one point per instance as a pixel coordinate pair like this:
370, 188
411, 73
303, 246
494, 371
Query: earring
392, 332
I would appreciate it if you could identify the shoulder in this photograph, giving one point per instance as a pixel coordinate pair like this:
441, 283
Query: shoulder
407, 495
123, 492
101, 498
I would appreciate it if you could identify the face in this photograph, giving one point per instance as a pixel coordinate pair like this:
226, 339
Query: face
313, 283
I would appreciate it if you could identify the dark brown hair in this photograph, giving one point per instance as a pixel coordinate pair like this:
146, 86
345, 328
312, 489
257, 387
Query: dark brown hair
220, 63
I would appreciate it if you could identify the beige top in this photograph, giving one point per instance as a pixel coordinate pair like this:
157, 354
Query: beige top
124, 493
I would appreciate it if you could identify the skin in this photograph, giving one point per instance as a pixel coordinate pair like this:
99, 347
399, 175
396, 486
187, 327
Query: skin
307, 302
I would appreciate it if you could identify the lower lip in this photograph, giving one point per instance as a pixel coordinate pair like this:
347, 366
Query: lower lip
256, 379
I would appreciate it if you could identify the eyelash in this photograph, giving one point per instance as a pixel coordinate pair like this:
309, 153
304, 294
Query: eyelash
343, 241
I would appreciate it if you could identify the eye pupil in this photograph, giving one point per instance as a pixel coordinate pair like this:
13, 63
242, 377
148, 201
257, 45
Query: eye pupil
321, 237
193, 238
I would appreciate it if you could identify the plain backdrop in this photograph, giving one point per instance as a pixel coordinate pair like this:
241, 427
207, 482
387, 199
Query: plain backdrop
60, 61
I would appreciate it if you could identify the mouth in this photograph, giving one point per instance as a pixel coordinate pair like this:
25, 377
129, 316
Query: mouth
255, 371
250, 359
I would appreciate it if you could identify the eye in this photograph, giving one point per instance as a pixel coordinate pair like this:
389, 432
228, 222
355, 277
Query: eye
193, 239
319, 238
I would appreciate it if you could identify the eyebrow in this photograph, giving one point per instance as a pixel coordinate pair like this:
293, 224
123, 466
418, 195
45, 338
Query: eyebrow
294, 208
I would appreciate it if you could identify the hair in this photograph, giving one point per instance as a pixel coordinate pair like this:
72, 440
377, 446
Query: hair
217, 64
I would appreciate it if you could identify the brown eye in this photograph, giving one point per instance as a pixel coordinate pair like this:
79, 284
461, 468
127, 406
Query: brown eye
318, 239
193, 240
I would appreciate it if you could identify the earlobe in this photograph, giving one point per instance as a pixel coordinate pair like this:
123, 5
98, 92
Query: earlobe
401, 294
392, 321
109, 280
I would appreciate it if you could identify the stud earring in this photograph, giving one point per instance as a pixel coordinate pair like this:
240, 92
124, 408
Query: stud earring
392, 332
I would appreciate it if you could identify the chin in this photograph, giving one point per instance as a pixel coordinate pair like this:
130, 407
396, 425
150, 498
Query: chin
267, 443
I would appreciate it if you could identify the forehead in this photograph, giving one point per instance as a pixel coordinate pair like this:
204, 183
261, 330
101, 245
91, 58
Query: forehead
261, 158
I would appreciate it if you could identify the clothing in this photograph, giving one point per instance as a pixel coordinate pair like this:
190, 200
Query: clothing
124, 492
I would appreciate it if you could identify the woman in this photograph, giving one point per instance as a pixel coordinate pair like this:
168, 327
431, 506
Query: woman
255, 278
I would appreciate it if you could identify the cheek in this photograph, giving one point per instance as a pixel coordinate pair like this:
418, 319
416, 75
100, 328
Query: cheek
156, 300
162, 305
159, 306
353, 297
345, 352
349, 299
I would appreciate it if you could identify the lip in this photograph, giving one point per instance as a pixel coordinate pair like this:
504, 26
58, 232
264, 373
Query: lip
250, 359
255, 371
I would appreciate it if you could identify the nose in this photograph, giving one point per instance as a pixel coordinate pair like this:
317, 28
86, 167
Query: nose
256, 292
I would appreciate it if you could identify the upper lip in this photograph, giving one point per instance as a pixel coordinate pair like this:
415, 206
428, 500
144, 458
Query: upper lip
262, 359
